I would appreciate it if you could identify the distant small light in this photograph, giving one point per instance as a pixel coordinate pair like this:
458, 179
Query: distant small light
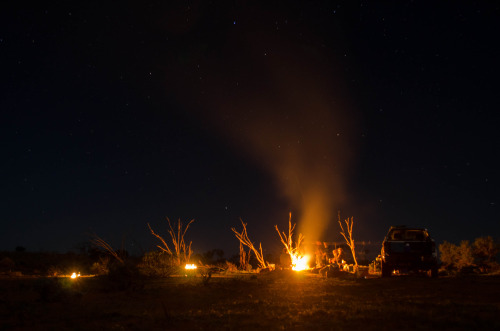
234, 22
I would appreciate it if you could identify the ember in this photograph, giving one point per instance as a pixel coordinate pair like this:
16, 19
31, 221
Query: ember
190, 266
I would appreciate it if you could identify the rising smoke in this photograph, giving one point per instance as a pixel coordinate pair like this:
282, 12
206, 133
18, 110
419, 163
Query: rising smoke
297, 126
285, 105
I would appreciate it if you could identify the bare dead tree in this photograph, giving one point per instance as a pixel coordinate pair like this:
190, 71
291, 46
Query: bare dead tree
244, 257
178, 241
165, 247
181, 252
348, 238
287, 240
243, 238
99, 242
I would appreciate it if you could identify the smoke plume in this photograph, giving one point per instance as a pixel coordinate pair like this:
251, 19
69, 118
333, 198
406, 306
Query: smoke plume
287, 108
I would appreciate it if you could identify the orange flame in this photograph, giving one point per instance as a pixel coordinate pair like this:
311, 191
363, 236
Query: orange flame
190, 266
299, 262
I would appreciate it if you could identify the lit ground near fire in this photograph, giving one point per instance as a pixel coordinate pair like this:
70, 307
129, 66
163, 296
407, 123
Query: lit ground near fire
278, 300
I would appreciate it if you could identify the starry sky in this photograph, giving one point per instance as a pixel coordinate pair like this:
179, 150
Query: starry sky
114, 115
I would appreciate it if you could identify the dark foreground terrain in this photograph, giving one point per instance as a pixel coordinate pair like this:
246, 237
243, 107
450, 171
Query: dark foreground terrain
277, 300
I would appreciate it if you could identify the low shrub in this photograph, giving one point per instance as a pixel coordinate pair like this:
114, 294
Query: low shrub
157, 264
122, 277
231, 267
101, 267
6, 264
466, 258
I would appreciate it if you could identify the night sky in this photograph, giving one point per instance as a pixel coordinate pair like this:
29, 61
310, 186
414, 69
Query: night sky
116, 114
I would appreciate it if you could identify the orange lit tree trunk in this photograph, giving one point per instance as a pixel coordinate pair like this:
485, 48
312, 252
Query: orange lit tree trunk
243, 238
182, 252
287, 239
244, 257
348, 238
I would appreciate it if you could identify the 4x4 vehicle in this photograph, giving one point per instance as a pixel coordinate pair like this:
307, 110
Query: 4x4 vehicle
408, 249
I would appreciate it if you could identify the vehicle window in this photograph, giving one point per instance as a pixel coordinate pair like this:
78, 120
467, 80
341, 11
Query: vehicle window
410, 235
415, 235
397, 235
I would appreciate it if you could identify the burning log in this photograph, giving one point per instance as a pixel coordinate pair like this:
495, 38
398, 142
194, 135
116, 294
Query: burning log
182, 251
299, 262
243, 238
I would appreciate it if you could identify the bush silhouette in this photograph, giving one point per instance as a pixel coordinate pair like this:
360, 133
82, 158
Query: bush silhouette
480, 255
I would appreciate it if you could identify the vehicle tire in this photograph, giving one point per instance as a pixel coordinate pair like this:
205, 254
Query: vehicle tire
386, 270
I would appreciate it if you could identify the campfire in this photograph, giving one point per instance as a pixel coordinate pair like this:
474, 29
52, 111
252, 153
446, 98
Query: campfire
299, 262
294, 255
190, 266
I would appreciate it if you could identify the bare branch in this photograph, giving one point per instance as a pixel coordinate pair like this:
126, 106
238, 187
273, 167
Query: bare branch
287, 240
99, 242
243, 238
348, 237
165, 248
182, 251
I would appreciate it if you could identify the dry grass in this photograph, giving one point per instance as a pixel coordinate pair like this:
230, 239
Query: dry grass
276, 300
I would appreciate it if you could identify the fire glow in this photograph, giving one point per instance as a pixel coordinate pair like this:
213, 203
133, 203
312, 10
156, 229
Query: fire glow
299, 262
190, 266
74, 275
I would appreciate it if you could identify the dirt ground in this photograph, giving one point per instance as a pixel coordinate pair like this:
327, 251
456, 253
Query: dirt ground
278, 300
